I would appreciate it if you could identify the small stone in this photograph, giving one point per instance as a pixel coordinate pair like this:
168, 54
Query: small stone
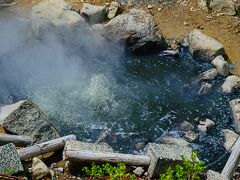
39, 169
230, 138
149, 6
138, 171
185, 126
221, 66
209, 74
190, 136
185, 24
60, 170
213, 175
204, 89
159, 9
230, 83
113, 9
204, 125
53, 165
95, 14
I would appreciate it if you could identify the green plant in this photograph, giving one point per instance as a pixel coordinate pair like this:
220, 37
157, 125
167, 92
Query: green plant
117, 172
186, 170
10, 170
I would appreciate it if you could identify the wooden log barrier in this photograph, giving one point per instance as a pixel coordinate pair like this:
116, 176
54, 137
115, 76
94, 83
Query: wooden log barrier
233, 161
15, 139
88, 156
43, 148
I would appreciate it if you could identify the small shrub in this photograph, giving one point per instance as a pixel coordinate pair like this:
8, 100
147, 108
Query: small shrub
117, 172
186, 170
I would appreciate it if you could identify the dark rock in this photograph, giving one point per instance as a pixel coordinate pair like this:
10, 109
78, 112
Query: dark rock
25, 118
190, 136
185, 126
204, 89
10, 162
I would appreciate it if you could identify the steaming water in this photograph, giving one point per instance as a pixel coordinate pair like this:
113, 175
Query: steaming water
87, 86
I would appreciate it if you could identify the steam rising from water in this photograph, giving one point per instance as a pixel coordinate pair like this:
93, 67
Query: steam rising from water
85, 85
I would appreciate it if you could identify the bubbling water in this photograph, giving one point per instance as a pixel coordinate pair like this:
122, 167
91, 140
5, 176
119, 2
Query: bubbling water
95, 90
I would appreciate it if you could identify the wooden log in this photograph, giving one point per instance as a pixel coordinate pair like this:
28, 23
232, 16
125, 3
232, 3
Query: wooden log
88, 156
233, 161
15, 139
43, 148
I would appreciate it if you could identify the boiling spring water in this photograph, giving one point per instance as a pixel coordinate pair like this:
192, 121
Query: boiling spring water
89, 86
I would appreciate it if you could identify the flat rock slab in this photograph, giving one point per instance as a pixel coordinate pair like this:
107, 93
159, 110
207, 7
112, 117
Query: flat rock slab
164, 155
10, 162
25, 118
74, 145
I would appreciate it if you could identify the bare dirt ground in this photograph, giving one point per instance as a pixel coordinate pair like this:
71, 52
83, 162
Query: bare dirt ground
180, 18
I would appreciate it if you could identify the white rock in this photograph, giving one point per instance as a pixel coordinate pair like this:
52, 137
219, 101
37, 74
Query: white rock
138, 171
221, 66
149, 6
112, 10
204, 89
39, 169
209, 74
204, 125
95, 14
230, 138
204, 46
54, 15
230, 83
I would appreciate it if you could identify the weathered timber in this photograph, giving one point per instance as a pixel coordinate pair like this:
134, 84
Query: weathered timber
233, 161
88, 156
43, 148
15, 139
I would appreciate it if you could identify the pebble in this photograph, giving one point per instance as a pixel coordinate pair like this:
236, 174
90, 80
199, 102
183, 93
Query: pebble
138, 171
149, 6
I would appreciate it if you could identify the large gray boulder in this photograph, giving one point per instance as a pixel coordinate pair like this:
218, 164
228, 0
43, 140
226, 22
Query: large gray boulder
204, 46
137, 29
221, 66
25, 118
55, 15
94, 14
164, 155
